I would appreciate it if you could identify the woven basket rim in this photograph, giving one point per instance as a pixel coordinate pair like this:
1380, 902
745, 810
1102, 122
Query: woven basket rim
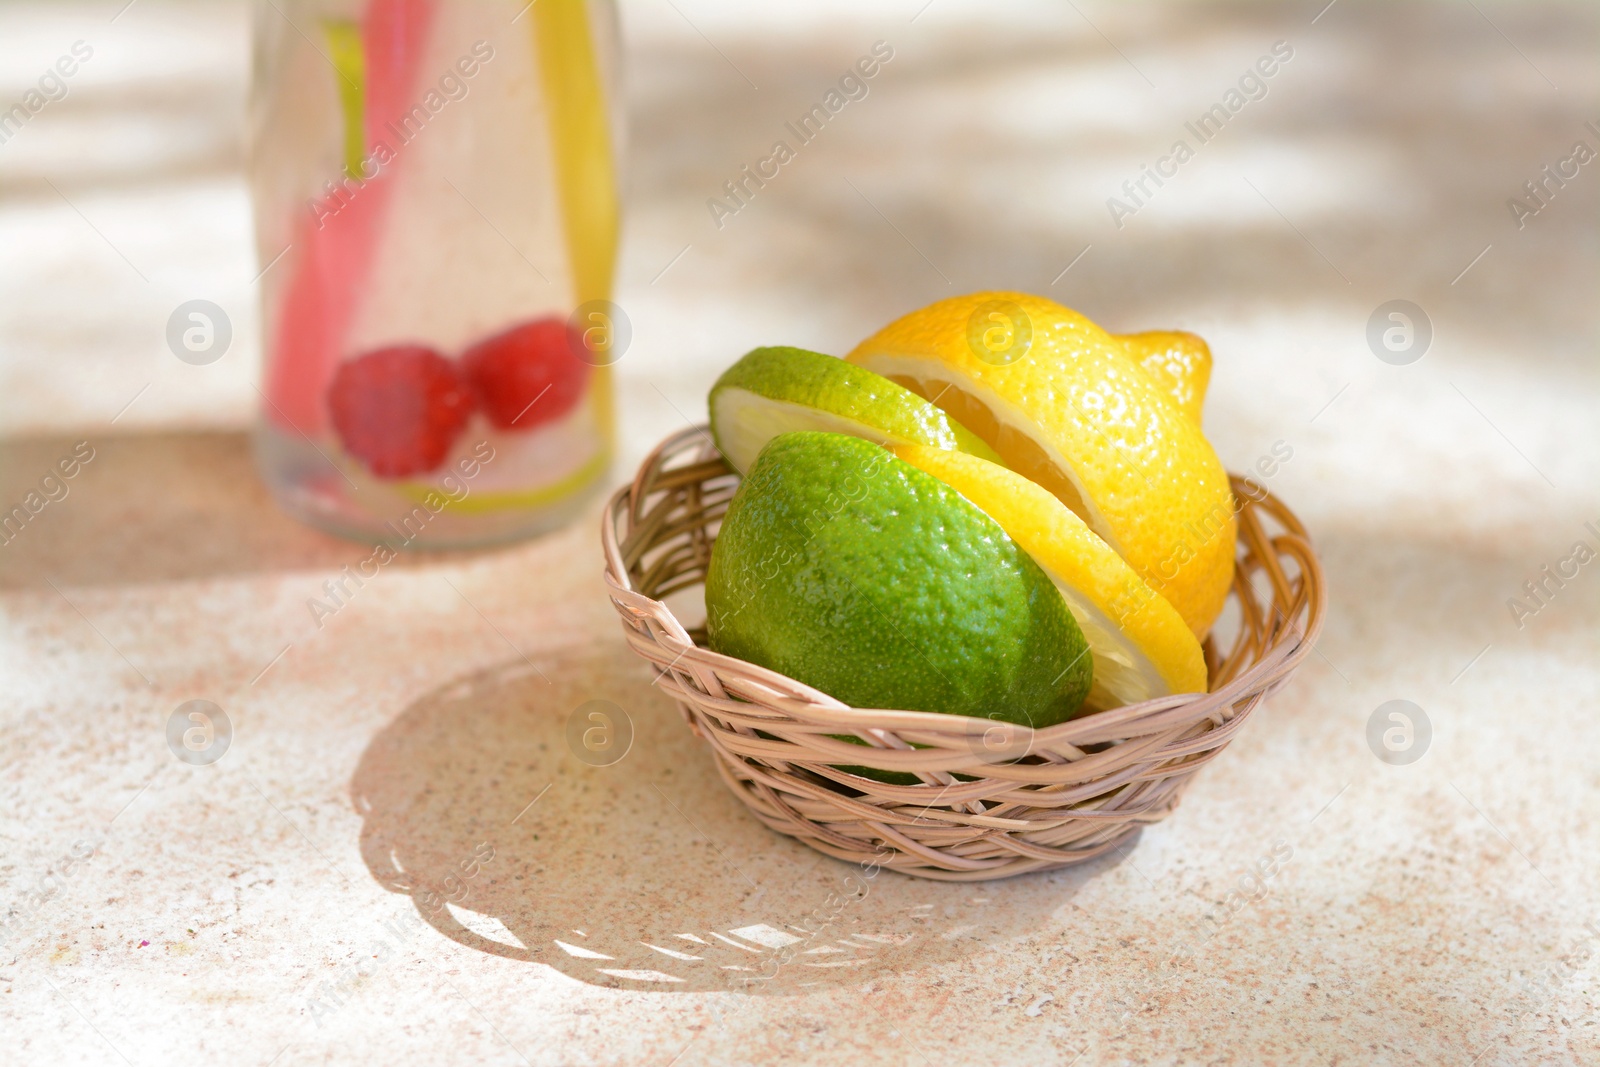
1049, 797
797, 698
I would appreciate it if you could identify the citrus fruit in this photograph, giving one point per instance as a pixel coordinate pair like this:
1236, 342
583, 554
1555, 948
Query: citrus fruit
1073, 411
776, 390
1179, 360
859, 575
349, 58
1140, 645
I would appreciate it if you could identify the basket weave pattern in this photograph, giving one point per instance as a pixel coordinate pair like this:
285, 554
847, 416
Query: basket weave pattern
997, 800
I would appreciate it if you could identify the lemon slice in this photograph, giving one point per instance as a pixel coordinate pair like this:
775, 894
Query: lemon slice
1073, 411
576, 111
1140, 645
1179, 360
580, 135
778, 390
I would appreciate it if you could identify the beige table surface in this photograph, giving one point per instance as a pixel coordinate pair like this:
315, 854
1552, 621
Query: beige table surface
254, 911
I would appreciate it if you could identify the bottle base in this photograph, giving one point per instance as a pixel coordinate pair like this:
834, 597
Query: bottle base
310, 486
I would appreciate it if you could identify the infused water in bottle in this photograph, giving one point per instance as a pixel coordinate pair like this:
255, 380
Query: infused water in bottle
436, 219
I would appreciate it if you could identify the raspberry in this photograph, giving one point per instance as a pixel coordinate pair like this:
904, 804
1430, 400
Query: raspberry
528, 375
399, 409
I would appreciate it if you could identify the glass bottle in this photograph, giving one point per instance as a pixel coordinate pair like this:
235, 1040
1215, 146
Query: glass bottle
436, 210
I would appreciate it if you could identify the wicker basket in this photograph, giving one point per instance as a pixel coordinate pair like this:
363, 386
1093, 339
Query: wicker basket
997, 800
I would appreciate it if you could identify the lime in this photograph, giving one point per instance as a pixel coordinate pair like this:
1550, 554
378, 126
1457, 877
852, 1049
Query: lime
350, 62
858, 574
1140, 645
776, 390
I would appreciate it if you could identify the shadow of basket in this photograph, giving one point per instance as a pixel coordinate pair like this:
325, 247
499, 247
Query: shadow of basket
990, 803
641, 874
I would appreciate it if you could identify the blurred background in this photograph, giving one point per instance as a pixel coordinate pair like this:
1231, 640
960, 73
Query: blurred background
1384, 161
1377, 166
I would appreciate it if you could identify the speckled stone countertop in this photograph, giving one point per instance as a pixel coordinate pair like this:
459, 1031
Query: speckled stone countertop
399, 860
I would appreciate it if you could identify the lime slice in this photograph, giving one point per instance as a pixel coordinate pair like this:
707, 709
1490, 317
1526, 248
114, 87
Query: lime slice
350, 63
1141, 647
778, 390
857, 574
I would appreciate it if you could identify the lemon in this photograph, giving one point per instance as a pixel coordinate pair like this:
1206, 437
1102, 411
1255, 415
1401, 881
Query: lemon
1140, 645
858, 574
781, 389
1066, 405
1179, 360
